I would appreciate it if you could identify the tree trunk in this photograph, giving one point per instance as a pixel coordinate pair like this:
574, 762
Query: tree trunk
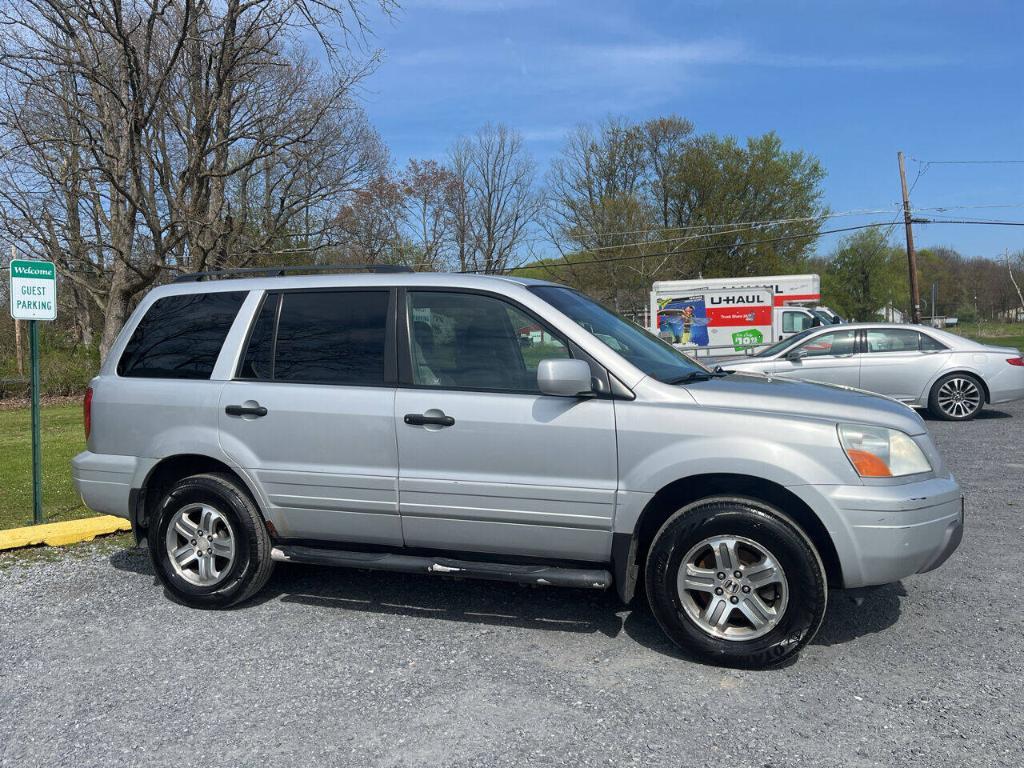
116, 315
83, 318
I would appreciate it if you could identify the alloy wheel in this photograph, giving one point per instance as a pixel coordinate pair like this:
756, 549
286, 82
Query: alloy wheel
959, 397
732, 588
200, 544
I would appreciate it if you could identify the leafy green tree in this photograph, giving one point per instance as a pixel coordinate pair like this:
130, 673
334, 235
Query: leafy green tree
630, 203
716, 180
865, 273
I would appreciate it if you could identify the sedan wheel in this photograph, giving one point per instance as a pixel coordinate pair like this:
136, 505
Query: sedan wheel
957, 397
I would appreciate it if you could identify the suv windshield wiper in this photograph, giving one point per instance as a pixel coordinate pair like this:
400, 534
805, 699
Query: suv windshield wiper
697, 376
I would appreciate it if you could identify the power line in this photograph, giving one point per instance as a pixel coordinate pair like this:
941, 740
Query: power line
702, 249
699, 235
990, 223
969, 207
967, 162
772, 222
756, 223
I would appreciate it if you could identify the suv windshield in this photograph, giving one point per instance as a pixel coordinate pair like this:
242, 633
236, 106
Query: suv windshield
651, 355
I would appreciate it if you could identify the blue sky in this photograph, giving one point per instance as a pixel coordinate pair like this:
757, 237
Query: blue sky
851, 82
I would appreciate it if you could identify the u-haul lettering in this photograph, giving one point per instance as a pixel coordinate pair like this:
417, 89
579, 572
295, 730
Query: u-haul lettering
743, 298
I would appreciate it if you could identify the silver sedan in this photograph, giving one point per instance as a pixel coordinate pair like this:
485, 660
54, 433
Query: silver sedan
951, 376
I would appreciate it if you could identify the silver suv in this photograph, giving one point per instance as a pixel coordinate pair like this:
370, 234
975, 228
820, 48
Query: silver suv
500, 428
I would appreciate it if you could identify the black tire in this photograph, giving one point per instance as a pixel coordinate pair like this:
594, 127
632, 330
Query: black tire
249, 567
802, 610
953, 412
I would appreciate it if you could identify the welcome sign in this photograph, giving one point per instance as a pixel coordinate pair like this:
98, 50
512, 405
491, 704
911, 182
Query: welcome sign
33, 290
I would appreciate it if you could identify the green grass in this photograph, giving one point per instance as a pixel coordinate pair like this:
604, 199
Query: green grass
996, 334
62, 438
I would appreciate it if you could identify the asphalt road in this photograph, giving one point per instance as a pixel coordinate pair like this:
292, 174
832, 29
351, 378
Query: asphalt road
342, 668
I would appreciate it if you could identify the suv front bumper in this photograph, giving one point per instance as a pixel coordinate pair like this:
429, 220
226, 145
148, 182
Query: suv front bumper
883, 533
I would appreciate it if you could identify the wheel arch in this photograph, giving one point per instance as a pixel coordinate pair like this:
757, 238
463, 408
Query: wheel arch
629, 550
167, 472
961, 371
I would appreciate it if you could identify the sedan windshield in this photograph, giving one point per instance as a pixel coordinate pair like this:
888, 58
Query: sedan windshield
651, 355
781, 345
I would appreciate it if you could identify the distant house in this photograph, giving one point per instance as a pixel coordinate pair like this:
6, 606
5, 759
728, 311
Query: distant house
890, 314
1015, 315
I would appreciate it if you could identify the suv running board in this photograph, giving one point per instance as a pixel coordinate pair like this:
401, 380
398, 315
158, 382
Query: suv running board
586, 578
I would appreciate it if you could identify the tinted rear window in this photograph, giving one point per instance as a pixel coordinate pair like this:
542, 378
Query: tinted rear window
180, 337
321, 337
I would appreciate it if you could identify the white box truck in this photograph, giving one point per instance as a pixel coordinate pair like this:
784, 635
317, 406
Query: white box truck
709, 313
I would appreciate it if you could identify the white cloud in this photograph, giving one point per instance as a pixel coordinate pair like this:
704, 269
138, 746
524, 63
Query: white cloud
544, 135
729, 51
426, 57
887, 61
715, 51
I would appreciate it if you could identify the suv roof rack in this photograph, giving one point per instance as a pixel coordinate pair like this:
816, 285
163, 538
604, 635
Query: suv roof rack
195, 277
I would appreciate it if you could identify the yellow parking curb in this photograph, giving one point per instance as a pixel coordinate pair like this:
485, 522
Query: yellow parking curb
59, 534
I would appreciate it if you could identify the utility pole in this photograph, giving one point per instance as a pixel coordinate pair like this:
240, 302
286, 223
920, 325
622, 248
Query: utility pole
915, 294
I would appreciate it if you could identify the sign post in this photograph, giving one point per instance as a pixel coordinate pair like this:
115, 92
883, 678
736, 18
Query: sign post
34, 298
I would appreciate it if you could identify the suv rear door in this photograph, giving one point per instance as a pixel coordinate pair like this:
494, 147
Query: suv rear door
323, 452
163, 393
497, 467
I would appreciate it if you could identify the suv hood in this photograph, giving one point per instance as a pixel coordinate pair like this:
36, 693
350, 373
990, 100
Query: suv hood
756, 392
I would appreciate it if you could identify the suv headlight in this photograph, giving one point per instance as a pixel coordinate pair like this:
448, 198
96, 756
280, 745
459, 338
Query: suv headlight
881, 452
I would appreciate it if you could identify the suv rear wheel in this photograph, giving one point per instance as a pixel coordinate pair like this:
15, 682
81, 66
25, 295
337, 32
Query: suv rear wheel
210, 547
735, 582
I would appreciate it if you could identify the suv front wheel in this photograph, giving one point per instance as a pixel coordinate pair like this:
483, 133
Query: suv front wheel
208, 542
735, 582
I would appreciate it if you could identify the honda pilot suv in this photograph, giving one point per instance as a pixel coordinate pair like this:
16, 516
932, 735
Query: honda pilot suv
500, 428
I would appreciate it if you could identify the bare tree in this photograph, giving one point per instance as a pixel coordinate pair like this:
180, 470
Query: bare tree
432, 192
497, 202
665, 140
371, 225
1019, 259
138, 135
597, 214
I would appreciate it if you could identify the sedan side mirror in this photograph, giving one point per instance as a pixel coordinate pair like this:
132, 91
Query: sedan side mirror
796, 354
564, 378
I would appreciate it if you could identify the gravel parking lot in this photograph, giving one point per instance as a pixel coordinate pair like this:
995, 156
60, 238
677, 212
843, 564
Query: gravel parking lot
337, 667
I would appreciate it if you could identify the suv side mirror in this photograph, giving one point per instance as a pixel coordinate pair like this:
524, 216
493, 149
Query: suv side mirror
796, 354
564, 378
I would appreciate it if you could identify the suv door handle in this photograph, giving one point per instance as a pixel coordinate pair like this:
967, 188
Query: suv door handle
419, 419
245, 410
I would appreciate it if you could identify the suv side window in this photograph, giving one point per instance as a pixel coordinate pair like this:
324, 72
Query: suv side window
835, 343
319, 337
180, 336
893, 340
471, 341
